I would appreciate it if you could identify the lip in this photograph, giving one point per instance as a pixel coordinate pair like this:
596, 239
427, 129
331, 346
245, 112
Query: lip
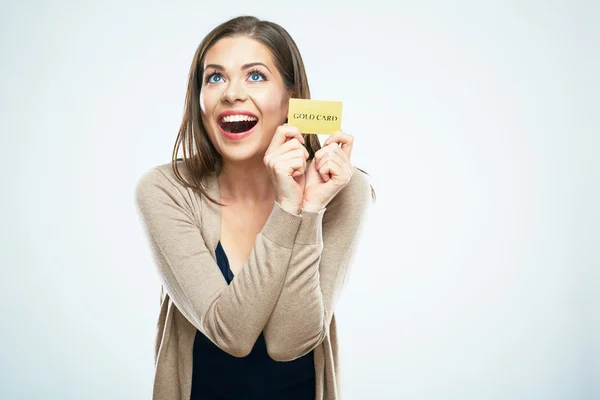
234, 136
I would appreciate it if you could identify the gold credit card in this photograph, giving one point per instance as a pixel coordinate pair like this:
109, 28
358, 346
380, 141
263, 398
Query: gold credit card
315, 116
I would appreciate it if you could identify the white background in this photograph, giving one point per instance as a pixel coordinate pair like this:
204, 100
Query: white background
478, 274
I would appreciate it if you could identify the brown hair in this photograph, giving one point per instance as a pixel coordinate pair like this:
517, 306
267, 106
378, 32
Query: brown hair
199, 155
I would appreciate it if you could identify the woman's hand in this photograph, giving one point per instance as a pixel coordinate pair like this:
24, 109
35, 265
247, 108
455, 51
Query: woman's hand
329, 171
286, 161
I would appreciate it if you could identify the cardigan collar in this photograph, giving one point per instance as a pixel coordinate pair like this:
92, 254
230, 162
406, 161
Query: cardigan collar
211, 213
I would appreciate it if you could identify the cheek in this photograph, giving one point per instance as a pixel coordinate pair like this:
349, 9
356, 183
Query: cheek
207, 106
273, 106
206, 110
203, 102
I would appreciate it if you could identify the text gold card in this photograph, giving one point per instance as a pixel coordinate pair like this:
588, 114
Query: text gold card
315, 116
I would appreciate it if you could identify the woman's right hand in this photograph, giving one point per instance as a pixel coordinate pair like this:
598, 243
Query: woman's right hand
285, 160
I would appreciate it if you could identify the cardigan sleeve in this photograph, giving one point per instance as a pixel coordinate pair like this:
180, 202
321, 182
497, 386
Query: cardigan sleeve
318, 270
231, 316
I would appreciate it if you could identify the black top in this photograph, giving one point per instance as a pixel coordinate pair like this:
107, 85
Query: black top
218, 375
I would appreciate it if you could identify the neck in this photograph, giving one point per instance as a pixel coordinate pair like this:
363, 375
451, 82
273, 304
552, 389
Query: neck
245, 182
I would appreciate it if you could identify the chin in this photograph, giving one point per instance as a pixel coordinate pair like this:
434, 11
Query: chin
249, 148
243, 153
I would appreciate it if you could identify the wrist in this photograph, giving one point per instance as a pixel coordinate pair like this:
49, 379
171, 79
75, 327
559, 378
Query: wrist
292, 208
311, 207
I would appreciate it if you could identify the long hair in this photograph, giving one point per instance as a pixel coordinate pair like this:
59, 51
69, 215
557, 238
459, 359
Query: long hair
200, 157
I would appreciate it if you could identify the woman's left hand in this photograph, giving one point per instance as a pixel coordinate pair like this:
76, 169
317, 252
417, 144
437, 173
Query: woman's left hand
328, 172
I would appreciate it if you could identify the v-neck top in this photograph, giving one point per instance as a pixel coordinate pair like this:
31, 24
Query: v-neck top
219, 375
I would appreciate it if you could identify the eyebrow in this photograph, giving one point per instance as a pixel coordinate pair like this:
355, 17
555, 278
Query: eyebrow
245, 66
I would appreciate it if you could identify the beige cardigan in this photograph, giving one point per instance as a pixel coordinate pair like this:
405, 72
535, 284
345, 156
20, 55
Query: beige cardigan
287, 288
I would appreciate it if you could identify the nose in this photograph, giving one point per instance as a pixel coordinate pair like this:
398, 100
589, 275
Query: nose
235, 90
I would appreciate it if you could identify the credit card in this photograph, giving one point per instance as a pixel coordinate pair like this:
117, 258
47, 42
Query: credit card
315, 116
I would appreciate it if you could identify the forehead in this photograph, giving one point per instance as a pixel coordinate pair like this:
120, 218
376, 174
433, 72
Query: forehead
233, 52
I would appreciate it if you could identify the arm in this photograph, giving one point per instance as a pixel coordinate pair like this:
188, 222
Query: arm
318, 270
231, 316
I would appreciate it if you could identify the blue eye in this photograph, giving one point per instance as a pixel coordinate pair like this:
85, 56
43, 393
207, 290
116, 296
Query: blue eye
217, 80
257, 76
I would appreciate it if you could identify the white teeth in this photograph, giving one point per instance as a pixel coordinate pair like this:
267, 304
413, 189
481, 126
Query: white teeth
238, 118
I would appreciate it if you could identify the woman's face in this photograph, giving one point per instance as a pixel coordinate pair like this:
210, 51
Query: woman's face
243, 98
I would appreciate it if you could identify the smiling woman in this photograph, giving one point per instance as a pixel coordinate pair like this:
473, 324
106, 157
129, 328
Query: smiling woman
253, 231
241, 99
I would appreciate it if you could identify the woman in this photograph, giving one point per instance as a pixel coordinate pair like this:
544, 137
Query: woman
252, 198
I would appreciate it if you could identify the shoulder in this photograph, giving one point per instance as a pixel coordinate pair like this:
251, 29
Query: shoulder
159, 177
160, 194
163, 177
161, 182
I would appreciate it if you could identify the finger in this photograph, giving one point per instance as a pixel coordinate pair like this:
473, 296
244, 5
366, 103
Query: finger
284, 133
339, 157
292, 144
292, 154
341, 137
326, 149
338, 153
306, 153
291, 161
330, 170
331, 156
300, 171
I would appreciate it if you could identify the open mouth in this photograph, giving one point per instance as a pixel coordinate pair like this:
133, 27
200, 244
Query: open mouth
237, 123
